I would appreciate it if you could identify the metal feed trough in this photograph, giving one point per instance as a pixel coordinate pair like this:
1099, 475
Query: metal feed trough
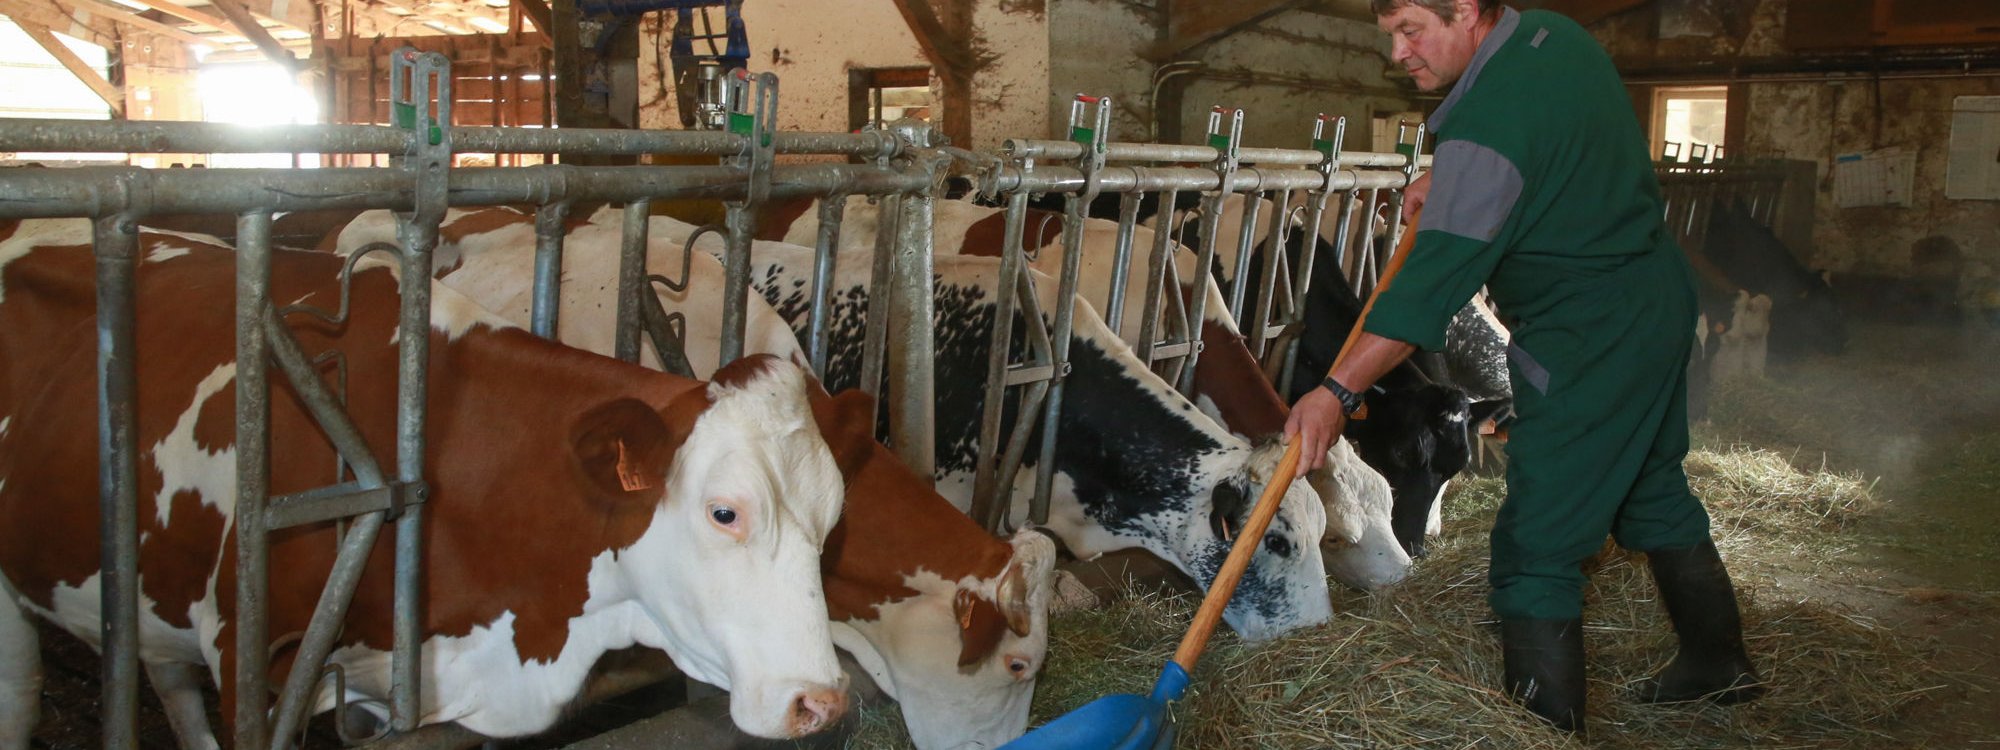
420, 185
1089, 165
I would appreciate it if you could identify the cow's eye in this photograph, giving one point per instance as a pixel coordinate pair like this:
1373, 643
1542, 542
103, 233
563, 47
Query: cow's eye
722, 515
1018, 666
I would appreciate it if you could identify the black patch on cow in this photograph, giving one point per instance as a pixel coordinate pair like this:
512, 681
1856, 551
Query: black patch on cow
1804, 314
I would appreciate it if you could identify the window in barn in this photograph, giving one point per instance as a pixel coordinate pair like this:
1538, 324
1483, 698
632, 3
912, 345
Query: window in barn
256, 94
34, 84
1688, 122
883, 95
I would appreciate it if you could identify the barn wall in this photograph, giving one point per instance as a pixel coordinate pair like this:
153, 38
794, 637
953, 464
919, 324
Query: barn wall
1297, 65
1817, 120
811, 47
1096, 47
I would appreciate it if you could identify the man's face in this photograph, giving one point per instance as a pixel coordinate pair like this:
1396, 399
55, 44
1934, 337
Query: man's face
1434, 52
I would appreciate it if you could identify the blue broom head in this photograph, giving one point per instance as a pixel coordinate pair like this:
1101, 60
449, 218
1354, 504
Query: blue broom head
1122, 722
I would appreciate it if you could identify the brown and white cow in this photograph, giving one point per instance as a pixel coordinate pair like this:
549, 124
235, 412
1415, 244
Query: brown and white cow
1360, 548
577, 504
947, 619
1138, 465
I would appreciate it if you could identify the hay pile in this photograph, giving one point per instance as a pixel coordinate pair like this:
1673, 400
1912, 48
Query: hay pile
1418, 666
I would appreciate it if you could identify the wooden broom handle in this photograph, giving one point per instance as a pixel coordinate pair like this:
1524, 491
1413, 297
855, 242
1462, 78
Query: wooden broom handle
1252, 534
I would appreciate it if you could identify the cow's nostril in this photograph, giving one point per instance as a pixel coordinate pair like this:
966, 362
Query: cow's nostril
817, 709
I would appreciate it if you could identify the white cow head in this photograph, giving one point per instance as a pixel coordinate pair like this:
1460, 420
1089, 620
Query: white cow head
1285, 585
1360, 546
959, 688
729, 568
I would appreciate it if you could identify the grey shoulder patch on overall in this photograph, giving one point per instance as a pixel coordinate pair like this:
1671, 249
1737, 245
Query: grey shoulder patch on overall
1473, 190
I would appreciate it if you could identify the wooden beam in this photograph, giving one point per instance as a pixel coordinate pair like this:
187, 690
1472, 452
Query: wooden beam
77, 67
537, 12
124, 15
48, 15
945, 50
1192, 23
189, 14
239, 15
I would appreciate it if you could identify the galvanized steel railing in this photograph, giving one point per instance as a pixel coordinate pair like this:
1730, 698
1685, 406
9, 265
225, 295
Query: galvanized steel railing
420, 184
1169, 333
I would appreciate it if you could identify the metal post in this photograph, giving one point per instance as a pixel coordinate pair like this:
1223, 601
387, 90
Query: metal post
1303, 275
1246, 245
1259, 327
991, 489
632, 281
1409, 176
881, 297
550, 221
831, 211
253, 445
116, 241
912, 348
1226, 146
753, 115
1366, 266
1121, 260
1156, 276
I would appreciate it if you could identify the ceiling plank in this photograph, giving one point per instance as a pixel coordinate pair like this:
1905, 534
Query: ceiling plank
48, 15
189, 14
1192, 23
111, 95
537, 12
240, 16
121, 14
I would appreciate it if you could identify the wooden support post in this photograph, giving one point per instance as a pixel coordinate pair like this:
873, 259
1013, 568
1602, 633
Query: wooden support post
563, 34
945, 39
539, 13
111, 95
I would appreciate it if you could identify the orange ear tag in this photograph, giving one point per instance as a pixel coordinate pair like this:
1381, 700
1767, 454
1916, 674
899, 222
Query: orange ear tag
630, 478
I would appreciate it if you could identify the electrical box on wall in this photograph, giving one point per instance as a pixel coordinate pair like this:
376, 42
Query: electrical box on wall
1973, 172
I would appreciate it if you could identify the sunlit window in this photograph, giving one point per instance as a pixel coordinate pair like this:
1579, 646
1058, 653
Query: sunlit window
1688, 122
256, 94
34, 84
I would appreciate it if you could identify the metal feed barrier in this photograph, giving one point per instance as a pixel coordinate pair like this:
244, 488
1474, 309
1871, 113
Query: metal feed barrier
420, 185
1169, 335
1691, 190
903, 165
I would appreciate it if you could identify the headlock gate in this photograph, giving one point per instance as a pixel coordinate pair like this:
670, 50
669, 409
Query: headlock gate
1288, 190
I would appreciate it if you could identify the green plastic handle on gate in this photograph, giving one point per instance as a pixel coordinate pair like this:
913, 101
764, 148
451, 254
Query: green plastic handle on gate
1218, 141
744, 124
1083, 135
406, 118
1323, 146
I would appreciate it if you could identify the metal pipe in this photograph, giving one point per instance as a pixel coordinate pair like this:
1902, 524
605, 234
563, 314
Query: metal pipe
1274, 260
1211, 222
550, 221
1121, 179
1156, 276
832, 209
1056, 150
1121, 261
1038, 509
991, 491
102, 191
911, 345
115, 241
875, 330
741, 218
130, 136
1370, 263
1036, 342
253, 461
1246, 242
632, 280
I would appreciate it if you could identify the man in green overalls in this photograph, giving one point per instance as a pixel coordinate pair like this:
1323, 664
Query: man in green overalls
1542, 191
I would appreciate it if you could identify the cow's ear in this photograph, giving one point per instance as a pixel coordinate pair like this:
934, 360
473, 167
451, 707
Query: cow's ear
847, 424
621, 450
980, 626
1226, 516
1012, 591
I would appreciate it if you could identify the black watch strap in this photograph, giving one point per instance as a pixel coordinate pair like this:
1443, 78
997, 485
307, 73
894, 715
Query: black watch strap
1350, 401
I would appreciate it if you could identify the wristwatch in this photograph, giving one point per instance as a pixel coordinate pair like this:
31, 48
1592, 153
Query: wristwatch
1350, 401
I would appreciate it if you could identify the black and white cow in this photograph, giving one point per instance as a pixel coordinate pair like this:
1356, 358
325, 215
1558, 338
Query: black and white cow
1138, 465
1805, 318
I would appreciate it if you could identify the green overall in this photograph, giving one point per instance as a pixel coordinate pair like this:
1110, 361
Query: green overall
1543, 191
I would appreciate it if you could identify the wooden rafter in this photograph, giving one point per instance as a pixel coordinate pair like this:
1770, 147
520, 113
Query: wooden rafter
48, 15
1192, 23
120, 14
537, 12
1588, 11
240, 16
189, 14
111, 95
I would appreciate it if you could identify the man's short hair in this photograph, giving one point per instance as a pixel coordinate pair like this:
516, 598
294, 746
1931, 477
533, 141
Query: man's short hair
1446, 10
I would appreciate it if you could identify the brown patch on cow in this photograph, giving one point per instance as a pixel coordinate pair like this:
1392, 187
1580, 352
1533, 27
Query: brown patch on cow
778, 217
894, 524
1230, 377
980, 626
987, 237
508, 526
741, 372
